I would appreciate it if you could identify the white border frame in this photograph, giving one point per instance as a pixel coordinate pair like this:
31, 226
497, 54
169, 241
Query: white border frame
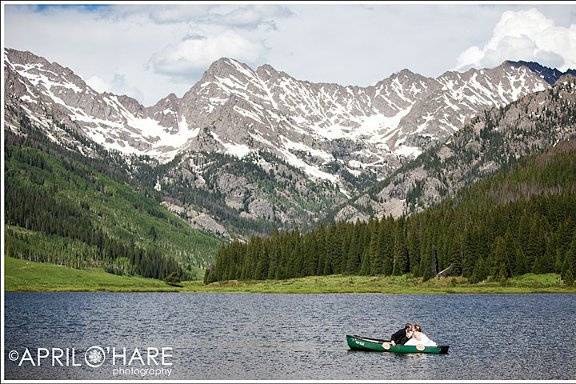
223, 2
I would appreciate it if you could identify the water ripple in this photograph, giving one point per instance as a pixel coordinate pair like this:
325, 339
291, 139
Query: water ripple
250, 336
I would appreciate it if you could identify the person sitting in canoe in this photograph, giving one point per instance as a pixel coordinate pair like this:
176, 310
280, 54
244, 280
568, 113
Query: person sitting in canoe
403, 335
419, 338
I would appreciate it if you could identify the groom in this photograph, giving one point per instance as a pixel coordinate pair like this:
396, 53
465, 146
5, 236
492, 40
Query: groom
402, 335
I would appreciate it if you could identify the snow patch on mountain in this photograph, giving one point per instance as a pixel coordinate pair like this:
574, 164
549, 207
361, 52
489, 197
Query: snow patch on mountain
305, 148
362, 130
233, 149
311, 170
407, 151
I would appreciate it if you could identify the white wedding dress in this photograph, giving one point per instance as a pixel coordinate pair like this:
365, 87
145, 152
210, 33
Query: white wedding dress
421, 339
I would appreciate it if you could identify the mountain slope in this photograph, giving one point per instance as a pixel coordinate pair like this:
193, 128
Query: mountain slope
490, 142
464, 95
522, 220
306, 147
55, 200
235, 109
50, 93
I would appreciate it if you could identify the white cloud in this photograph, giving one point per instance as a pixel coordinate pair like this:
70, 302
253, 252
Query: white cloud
111, 47
524, 35
196, 52
118, 84
147, 46
98, 84
243, 17
249, 16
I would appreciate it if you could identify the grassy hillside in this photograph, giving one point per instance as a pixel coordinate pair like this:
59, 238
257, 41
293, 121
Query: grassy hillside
60, 209
23, 275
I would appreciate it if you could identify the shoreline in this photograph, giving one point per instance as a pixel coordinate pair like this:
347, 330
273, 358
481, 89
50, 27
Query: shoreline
422, 293
32, 277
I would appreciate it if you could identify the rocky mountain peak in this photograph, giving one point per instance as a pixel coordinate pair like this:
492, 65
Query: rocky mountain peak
171, 97
171, 101
266, 70
130, 104
405, 73
550, 75
489, 142
23, 57
225, 67
372, 129
566, 78
40, 71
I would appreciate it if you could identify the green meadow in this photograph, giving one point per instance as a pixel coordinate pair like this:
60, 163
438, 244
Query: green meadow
22, 275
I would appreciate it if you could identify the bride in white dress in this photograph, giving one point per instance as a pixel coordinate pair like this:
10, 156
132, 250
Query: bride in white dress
418, 338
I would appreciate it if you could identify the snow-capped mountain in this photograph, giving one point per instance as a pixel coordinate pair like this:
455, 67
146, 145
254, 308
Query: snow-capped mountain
332, 141
491, 141
461, 96
48, 92
236, 110
550, 75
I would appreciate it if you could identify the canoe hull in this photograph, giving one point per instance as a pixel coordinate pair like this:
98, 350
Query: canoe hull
360, 343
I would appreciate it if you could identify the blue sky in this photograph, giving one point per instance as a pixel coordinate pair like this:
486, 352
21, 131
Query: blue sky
148, 51
87, 7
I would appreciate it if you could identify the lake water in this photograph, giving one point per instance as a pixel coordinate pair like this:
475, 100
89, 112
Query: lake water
252, 336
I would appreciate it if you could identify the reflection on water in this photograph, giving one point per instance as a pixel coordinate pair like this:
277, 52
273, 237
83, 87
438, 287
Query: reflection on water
249, 336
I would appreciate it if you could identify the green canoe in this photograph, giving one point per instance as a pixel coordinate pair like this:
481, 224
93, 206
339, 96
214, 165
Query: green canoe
369, 344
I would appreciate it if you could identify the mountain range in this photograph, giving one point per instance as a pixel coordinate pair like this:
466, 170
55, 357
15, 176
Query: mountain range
493, 140
248, 150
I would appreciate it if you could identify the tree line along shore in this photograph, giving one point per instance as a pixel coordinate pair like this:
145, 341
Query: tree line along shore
519, 221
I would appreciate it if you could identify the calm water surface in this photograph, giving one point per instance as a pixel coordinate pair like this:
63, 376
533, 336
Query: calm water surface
251, 336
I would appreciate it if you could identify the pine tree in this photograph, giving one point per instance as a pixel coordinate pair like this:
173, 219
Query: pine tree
469, 254
569, 266
374, 250
401, 262
353, 258
480, 271
365, 263
501, 269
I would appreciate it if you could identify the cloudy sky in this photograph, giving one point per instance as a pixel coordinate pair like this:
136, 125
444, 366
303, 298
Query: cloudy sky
148, 51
